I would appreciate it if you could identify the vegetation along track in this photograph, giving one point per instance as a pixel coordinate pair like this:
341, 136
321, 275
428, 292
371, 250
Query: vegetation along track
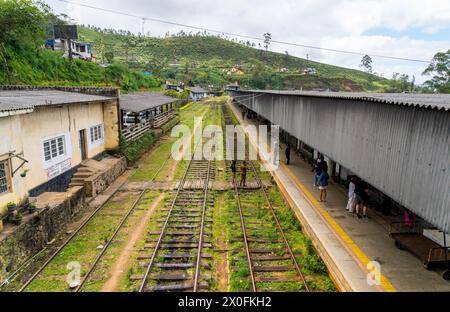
179, 250
77, 286
207, 235
270, 259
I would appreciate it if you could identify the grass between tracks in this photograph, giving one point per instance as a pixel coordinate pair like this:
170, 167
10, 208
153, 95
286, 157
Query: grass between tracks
311, 264
85, 247
229, 270
102, 271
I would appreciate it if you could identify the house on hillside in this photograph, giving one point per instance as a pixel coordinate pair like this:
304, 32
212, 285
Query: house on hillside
232, 87
197, 93
309, 71
47, 133
80, 50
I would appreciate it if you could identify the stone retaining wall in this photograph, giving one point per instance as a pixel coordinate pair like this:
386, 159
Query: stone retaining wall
37, 230
98, 182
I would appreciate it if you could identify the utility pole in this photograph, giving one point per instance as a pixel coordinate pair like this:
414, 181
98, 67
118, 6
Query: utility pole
143, 25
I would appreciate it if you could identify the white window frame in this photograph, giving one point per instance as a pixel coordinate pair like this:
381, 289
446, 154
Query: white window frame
96, 136
6, 163
59, 157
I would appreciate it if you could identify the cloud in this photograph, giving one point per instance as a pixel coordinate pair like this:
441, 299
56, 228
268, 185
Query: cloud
325, 23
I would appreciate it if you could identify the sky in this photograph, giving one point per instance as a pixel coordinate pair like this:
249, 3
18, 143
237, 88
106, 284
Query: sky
412, 29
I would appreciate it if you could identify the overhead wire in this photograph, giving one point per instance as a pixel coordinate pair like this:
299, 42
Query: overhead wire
146, 18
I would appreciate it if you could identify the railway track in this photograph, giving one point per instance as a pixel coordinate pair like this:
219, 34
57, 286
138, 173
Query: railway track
267, 251
93, 265
179, 254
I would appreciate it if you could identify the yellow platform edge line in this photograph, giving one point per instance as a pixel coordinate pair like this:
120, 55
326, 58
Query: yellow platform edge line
385, 283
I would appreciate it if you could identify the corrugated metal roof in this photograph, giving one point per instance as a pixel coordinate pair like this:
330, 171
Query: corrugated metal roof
197, 90
401, 151
142, 101
433, 101
15, 100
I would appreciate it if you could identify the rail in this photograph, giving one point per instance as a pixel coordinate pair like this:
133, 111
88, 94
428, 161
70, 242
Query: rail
163, 232
117, 230
75, 233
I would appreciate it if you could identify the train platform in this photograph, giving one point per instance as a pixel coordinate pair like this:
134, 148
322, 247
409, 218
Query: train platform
351, 248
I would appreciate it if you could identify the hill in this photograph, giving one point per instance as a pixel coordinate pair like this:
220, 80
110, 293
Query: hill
24, 61
204, 59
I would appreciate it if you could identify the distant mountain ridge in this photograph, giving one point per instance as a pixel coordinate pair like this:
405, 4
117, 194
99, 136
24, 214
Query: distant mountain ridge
204, 60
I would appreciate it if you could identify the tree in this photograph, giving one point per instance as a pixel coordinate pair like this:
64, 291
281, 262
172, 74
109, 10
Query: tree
404, 82
21, 28
286, 56
439, 70
413, 83
267, 39
109, 56
366, 63
259, 76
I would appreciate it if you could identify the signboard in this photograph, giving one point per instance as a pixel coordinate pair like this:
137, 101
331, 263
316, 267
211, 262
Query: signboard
65, 32
57, 169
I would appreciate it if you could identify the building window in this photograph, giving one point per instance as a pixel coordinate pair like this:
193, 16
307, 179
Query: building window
96, 133
4, 177
54, 147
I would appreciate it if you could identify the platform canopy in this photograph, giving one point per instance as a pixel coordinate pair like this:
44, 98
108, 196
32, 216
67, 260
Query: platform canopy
143, 101
398, 143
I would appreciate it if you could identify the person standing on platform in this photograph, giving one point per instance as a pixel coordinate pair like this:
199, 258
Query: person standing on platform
243, 114
362, 197
351, 195
409, 218
323, 186
288, 154
323, 164
243, 174
317, 169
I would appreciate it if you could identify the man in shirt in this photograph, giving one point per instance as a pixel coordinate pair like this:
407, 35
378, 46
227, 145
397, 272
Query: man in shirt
243, 173
287, 152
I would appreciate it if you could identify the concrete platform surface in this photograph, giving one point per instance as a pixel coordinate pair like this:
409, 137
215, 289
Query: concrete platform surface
349, 246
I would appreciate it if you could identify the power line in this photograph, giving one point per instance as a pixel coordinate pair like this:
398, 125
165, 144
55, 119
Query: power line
242, 36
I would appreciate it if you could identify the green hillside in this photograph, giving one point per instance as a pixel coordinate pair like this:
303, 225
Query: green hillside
204, 59
196, 59
24, 61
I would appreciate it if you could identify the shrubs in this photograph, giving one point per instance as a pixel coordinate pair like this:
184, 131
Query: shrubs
171, 93
133, 150
178, 95
44, 67
31, 208
168, 126
11, 207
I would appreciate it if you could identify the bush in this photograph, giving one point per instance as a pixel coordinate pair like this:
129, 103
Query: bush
171, 93
133, 150
168, 126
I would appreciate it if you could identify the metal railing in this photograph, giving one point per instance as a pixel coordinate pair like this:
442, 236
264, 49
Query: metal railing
134, 132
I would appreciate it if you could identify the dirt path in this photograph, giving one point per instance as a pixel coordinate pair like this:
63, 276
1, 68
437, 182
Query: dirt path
171, 171
121, 264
